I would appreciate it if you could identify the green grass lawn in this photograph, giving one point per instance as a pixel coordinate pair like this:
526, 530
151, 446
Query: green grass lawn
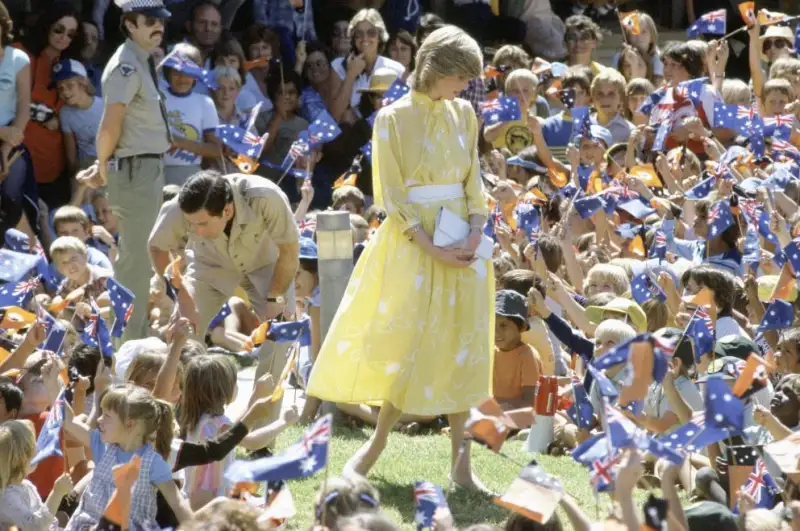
411, 458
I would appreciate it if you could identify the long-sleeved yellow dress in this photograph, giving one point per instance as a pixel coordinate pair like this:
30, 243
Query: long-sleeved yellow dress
411, 330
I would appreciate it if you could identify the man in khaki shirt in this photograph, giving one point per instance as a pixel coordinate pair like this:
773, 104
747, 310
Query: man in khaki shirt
241, 232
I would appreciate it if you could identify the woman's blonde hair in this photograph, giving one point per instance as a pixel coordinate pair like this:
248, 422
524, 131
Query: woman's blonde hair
372, 16
346, 496
17, 446
613, 275
735, 92
227, 72
133, 403
209, 385
448, 51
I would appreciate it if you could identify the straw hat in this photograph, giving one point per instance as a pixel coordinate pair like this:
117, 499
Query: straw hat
380, 80
776, 32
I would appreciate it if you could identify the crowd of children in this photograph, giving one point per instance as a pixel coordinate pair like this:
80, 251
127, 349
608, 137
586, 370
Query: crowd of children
645, 209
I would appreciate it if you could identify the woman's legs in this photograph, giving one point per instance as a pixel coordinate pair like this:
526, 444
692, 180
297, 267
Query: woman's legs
366, 456
12, 194
460, 462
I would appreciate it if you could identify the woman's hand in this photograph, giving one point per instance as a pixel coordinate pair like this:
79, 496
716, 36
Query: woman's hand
454, 257
12, 135
356, 64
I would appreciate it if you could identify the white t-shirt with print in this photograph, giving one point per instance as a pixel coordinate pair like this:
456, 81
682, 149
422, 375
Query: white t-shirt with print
189, 116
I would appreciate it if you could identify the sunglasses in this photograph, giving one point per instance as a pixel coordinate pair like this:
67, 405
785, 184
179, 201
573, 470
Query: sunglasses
372, 33
152, 21
587, 35
58, 29
779, 44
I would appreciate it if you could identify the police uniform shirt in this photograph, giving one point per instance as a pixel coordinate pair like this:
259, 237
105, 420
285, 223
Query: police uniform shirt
127, 79
262, 220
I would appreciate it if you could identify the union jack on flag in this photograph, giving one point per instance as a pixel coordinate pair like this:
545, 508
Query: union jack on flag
26, 286
602, 474
307, 227
319, 433
780, 120
702, 313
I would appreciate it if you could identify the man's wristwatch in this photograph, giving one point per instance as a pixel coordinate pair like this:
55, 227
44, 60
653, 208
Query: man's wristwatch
280, 299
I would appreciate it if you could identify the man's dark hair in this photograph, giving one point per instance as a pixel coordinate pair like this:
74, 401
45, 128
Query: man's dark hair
205, 190
85, 360
12, 396
721, 283
551, 252
687, 55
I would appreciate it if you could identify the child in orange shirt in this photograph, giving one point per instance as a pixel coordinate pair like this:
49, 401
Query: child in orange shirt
517, 367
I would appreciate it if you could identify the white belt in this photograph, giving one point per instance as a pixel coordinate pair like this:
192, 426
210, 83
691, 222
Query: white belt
434, 192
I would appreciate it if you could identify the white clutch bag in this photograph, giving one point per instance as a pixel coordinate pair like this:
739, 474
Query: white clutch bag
451, 229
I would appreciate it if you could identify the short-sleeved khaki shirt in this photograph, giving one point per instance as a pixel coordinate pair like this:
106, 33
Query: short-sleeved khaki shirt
262, 220
127, 79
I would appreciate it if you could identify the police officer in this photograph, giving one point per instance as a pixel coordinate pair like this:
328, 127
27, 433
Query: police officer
238, 231
131, 140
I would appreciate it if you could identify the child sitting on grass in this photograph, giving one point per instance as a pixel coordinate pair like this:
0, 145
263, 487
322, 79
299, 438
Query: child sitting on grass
517, 367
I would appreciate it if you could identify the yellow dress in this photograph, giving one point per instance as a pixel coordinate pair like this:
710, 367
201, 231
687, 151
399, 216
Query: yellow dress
411, 330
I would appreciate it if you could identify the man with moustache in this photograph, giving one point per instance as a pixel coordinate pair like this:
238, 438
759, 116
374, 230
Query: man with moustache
131, 141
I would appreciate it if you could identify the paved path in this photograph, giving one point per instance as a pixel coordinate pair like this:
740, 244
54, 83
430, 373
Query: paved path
245, 383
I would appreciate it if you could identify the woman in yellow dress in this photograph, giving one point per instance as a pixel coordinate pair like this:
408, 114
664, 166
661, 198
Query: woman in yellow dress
414, 331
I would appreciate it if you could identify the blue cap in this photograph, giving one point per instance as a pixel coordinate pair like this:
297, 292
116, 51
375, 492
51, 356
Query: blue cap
601, 133
149, 8
65, 69
308, 249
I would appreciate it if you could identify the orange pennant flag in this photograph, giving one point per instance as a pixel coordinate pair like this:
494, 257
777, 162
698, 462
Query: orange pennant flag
748, 12
15, 318
256, 63
257, 337
346, 179
636, 246
631, 21
647, 174
124, 477
559, 179
705, 297
490, 425
71, 298
534, 494
783, 287
642, 362
752, 377
277, 394
766, 16
245, 164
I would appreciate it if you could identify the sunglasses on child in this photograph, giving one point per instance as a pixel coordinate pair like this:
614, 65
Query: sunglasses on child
779, 44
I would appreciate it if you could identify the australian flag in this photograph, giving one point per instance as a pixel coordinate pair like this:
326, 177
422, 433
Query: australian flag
16, 266
779, 126
701, 189
184, 65
302, 459
694, 435
427, 498
223, 312
701, 331
723, 409
527, 219
586, 206
322, 130
600, 458
658, 249
581, 411
720, 218
18, 294
241, 141
122, 303
396, 90
307, 227
95, 333
744, 120
761, 487
778, 315
55, 331
712, 23
752, 251
366, 149
49, 441
503, 109
652, 101
643, 289
289, 331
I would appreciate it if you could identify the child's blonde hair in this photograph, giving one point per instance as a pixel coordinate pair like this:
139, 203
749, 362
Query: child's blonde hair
613, 275
784, 68
70, 214
519, 75
144, 368
209, 384
368, 522
735, 92
17, 446
348, 194
64, 244
777, 85
133, 403
346, 496
615, 330
612, 77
